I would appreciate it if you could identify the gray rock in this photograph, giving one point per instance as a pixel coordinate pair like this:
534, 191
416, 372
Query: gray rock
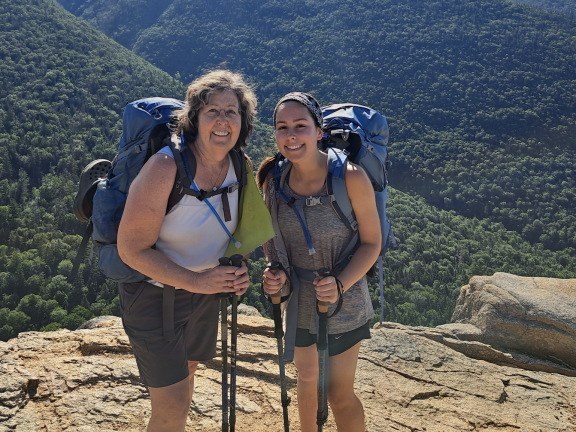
102, 322
535, 316
245, 310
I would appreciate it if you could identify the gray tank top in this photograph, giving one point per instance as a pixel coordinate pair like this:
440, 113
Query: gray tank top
330, 237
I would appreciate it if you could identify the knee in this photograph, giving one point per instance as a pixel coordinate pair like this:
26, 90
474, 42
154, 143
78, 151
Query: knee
307, 371
172, 408
340, 398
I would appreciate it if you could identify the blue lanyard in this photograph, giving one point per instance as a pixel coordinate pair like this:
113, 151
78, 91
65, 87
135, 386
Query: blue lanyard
278, 175
195, 187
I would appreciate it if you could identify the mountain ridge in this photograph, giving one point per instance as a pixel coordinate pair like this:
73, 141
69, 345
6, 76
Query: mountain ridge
63, 85
480, 95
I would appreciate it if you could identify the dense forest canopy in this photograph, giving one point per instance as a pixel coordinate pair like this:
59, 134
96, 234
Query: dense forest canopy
480, 94
123, 20
63, 85
562, 6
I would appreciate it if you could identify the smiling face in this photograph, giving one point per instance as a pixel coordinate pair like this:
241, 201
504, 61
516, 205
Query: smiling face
219, 124
296, 132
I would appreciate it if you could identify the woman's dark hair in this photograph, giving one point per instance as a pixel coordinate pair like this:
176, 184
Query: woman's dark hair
199, 94
305, 99
265, 168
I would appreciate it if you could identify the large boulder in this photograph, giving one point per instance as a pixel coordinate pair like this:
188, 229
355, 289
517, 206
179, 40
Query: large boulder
535, 316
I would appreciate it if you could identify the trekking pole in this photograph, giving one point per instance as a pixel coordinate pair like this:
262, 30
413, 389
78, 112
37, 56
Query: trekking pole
224, 261
322, 414
274, 266
380, 274
236, 261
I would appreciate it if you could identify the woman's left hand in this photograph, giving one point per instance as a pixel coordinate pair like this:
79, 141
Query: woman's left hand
242, 281
326, 289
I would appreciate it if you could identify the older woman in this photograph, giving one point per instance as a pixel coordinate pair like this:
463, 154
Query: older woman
181, 248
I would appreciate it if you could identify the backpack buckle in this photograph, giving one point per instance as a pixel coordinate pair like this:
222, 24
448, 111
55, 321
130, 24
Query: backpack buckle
312, 201
201, 195
232, 188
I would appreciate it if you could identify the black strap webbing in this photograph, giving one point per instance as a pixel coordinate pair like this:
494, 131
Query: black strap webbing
81, 251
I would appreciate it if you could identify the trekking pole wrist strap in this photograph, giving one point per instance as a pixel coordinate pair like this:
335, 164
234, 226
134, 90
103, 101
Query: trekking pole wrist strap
283, 298
340, 298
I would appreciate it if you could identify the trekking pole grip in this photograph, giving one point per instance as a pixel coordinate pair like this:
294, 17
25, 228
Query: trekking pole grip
323, 306
224, 261
274, 266
236, 260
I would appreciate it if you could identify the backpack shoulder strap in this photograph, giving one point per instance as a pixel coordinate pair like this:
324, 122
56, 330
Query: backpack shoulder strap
336, 184
181, 181
239, 159
186, 171
280, 172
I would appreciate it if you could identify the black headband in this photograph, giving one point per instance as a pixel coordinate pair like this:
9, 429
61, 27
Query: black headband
305, 99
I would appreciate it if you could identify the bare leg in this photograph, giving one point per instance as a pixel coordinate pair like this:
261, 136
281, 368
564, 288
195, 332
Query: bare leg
306, 360
171, 404
192, 366
345, 405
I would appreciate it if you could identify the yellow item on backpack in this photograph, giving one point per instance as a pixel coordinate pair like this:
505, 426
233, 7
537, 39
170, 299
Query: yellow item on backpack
254, 221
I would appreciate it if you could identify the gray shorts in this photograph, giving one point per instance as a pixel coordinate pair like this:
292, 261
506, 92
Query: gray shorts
161, 362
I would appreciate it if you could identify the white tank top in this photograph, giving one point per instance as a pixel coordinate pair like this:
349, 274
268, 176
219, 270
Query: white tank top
190, 234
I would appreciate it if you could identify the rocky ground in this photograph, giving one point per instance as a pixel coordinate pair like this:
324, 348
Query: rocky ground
87, 380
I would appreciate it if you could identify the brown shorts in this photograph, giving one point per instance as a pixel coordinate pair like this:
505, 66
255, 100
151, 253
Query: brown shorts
161, 362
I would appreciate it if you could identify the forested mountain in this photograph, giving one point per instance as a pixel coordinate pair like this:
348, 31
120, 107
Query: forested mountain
63, 86
62, 89
480, 94
562, 6
122, 20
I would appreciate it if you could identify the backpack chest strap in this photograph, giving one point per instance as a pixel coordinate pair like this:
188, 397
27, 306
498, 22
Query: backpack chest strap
201, 195
314, 201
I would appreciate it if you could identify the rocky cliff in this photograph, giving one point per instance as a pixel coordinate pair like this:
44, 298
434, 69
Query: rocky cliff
409, 379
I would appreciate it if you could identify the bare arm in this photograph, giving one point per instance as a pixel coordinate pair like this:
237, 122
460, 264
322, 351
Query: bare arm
272, 283
145, 211
361, 194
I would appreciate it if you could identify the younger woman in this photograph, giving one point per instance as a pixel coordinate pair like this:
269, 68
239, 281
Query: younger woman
298, 120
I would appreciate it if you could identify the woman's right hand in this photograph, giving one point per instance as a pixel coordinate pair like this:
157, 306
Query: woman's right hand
219, 280
272, 283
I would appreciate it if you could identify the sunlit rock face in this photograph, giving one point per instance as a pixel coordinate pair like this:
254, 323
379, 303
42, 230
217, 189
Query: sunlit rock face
535, 316
441, 379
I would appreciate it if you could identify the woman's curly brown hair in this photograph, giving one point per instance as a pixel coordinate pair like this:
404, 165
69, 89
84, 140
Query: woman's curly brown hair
199, 94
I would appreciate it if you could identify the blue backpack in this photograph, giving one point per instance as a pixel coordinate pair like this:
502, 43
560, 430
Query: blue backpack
147, 126
351, 133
